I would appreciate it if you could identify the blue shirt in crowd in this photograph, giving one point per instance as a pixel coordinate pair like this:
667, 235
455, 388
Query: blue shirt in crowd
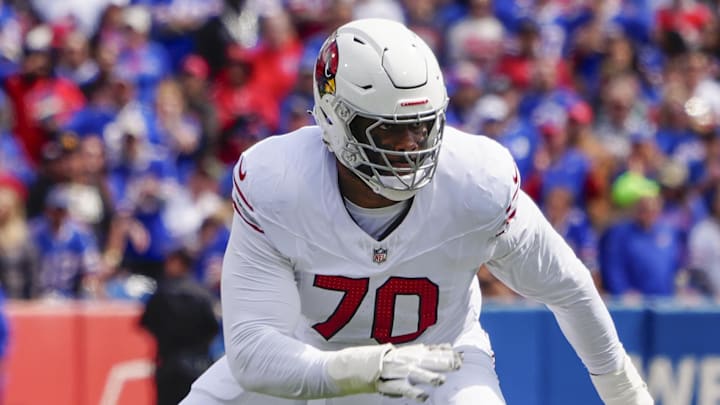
640, 260
67, 256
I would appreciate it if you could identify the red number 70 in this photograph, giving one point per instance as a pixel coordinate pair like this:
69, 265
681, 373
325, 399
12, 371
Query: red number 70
356, 289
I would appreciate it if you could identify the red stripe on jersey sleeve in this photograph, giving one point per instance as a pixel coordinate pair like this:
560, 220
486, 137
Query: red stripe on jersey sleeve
511, 208
242, 196
239, 212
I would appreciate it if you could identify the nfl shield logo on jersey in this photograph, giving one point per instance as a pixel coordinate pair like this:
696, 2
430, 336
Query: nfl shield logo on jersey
379, 255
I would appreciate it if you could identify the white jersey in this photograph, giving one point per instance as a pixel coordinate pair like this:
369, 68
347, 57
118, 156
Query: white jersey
413, 285
300, 277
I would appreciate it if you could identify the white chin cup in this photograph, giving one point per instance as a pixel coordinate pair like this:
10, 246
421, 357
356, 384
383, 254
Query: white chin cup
396, 188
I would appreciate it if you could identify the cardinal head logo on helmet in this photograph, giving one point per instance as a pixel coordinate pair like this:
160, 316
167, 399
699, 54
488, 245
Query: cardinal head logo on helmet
326, 67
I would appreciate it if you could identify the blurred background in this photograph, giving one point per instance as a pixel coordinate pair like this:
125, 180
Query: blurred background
120, 122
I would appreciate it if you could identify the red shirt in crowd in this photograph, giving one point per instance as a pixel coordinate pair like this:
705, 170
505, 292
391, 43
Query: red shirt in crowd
38, 105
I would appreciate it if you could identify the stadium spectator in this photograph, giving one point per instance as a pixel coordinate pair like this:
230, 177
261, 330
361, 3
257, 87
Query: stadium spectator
235, 86
105, 93
18, 257
87, 203
75, 63
644, 156
13, 158
240, 100
141, 60
237, 24
424, 18
213, 237
69, 255
181, 317
640, 255
57, 157
573, 224
558, 163
188, 206
680, 25
385, 9
491, 116
134, 150
88, 188
277, 56
697, 71
476, 38
706, 174
178, 130
194, 80
41, 102
621, 113
335, 14
109, 30
621, 58
602, 165
674, 136
4, 344
518, 62
10, 39
140, 235
547, 92
683, 207
175, 23
465, 89
704, 248
294, 110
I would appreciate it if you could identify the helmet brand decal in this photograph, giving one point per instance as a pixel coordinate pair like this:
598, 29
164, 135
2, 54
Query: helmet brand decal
379, 255
326, 67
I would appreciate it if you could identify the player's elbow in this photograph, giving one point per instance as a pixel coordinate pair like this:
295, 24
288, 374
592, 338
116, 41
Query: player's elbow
263, 376
252, 360
242, 343
244, 368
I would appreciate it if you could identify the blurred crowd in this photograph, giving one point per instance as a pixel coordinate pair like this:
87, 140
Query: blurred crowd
120, 122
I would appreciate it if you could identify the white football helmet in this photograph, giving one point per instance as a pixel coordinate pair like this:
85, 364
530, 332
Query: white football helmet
384, 74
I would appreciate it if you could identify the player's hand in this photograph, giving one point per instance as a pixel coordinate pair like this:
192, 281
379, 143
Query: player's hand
406, 368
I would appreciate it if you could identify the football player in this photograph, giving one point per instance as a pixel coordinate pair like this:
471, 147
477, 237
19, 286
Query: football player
350, 271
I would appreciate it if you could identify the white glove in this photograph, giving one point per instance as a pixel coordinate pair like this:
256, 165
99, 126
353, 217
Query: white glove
392, 371
407, 366
624, 387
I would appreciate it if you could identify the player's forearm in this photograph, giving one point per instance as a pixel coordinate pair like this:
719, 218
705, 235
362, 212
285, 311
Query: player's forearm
586, 323
265, 361
268, 362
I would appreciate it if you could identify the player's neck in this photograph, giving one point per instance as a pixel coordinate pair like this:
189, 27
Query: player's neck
355, 190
